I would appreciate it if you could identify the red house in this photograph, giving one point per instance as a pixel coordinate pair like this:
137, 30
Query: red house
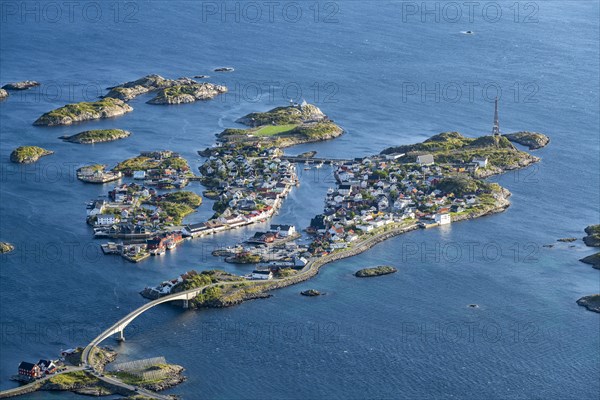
29, 370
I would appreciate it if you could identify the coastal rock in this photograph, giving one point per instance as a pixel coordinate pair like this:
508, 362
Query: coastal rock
310, 293
224, 69
24, 85
201, 76
97, 136
130, 90
593, 236
533, 140
375, 271
3, 94
566, 240
28, 154
188, 93
86, 111
591, 302
6, 247
593, 260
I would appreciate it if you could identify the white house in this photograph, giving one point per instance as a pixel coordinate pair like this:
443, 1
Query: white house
425, 159
262, 274
283, 230
481, 161
139, 174
106, 219
443, 219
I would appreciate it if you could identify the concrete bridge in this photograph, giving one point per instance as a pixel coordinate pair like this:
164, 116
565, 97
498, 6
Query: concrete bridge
118, 328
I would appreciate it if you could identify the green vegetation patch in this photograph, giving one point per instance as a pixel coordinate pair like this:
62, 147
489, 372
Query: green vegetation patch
74, 379
461, 185
271, 130
76, 110
184, 197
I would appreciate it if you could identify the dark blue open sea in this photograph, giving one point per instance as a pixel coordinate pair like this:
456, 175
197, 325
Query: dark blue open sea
390, 73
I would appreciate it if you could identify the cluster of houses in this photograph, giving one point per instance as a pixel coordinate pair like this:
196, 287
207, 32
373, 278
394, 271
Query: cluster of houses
376, 191
172, 171
250, 188
29, 371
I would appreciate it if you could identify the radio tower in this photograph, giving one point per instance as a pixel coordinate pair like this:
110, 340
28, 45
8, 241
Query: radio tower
496, 128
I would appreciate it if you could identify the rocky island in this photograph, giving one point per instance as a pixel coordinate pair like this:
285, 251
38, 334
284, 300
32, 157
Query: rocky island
284, 127
28, 154
187, 93
24, 85
533, 140
97, 136
170, 91
3, 94
85, 111
375, 271
6, 247
591, 302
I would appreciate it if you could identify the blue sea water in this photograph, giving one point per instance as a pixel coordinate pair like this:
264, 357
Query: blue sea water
388, 73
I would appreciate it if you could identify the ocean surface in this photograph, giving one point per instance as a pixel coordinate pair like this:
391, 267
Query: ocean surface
389, 73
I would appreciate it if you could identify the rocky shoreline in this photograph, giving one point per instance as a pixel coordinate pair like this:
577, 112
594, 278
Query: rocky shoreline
533, 140
591, 302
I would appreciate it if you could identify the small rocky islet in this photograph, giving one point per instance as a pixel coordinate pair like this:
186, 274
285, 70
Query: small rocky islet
3, 94
84, 111
28, 154
6, 247
23, 85
170, 91
311, 293
97, 136
375, 271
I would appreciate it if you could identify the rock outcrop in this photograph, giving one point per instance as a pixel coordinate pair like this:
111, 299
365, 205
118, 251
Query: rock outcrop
188, 93
24, 85
3, 94
85, 111
533, 140
184, 90
6, 247
375, 271
593, 236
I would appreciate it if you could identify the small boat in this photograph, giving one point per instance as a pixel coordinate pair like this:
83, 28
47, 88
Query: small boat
306, 166
171, 245
319, 165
